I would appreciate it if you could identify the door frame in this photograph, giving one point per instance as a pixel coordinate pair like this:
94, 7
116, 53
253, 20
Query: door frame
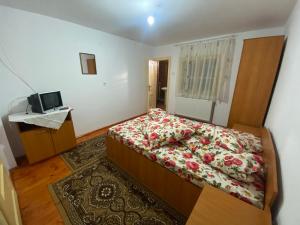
168, 58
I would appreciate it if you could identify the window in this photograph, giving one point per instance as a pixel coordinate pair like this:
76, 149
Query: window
205, 70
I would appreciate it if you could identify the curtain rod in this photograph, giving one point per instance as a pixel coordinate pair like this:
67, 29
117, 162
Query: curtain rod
219, 38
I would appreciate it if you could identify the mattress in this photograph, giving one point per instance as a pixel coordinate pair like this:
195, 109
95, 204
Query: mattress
182, 161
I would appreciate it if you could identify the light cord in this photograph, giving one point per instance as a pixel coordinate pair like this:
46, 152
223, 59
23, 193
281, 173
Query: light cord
13, 72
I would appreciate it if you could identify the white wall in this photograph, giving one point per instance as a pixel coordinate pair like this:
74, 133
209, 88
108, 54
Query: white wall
284, 122
45, 52
202, 107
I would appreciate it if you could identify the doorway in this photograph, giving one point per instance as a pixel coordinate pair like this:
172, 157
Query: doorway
158, 83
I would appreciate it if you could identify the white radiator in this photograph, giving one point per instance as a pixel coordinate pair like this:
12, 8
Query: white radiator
193, 108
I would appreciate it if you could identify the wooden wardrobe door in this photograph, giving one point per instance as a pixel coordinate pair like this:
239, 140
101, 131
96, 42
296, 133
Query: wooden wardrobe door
258, 68
9, 206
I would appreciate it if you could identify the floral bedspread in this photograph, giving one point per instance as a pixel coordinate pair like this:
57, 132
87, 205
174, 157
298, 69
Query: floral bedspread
189, 159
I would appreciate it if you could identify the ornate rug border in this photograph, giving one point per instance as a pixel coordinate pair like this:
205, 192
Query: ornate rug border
59, 205
69, 165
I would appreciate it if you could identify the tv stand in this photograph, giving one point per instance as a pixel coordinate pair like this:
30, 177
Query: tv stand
41, 143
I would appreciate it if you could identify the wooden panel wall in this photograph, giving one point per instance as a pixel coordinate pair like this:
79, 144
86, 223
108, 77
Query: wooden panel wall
257, 73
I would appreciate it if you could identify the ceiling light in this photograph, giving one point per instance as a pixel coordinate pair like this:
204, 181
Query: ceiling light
150, 20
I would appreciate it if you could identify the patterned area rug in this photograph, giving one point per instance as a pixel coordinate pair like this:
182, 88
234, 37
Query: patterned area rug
101, 193
85, 153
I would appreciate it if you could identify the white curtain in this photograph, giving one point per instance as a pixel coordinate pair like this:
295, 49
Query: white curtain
205, 70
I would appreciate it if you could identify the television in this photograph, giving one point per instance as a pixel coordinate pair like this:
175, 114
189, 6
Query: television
41, 103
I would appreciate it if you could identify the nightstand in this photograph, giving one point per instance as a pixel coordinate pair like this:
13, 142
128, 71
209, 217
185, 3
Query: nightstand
215, 207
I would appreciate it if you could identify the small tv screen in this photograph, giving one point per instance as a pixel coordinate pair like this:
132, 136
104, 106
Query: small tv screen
51, 100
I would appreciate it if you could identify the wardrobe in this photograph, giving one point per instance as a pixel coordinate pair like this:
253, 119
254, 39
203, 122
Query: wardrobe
256, 78
9, 206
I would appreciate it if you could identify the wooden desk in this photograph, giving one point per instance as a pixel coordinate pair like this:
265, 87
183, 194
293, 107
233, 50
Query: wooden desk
215, 207
41, 143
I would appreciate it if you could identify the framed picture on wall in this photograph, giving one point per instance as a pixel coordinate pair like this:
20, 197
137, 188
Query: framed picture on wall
88, 64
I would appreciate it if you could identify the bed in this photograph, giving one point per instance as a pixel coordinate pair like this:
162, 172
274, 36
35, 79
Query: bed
177, 174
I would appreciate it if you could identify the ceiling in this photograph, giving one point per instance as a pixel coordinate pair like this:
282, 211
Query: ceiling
175, 20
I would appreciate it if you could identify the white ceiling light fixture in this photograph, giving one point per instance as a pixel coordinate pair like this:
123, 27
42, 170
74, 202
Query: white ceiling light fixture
150, 20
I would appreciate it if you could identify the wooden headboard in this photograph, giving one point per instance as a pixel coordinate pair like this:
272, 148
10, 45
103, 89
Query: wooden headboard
271, 185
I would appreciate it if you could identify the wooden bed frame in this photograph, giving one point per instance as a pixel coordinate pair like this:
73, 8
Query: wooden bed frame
177, 192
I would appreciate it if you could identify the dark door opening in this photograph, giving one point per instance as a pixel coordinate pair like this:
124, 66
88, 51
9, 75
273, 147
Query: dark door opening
162, 84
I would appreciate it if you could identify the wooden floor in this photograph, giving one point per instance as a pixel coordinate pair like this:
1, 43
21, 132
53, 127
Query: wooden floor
31, 183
